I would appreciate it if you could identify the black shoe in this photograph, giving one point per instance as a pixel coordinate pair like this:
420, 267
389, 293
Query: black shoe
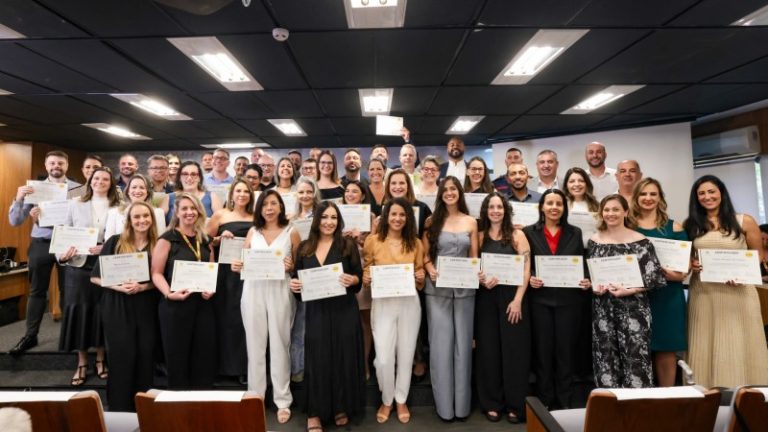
494, 418
242, 379
24, 344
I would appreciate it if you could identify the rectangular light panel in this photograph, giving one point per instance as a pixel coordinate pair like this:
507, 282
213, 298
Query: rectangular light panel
289, 127
602, 98
758, 17
214, 58
234, 146
116, 130
541, 50
9, 33
375, 13
464, 124
150, 105
375, 102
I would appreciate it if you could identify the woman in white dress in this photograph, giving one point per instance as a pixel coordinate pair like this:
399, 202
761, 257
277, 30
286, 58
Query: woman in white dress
139, 188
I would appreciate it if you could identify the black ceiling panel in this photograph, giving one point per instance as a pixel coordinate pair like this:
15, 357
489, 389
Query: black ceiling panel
236, 105
346, 103
266, 59
20, 86
312, 126
440, 124
290, 103
501, 100
534, 124
754, 72
572, 95
717, 12
354, 125
630, 12
233, 18
310, 15
540, 13
706, 98
33, 20
178, 101
429, 13
322, 141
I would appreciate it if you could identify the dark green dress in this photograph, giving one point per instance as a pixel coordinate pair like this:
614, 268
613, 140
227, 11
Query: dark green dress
668, 307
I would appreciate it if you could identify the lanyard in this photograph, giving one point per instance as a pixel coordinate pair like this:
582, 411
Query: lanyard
195, 250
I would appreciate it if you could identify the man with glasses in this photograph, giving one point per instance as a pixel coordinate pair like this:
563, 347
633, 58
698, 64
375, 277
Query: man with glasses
157, 169
267, 164
219, 174
128, 165
253, 176
309, 168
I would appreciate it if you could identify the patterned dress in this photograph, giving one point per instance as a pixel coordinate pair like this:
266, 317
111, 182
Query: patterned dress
621, 326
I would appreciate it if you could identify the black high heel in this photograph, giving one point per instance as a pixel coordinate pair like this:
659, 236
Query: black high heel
104, 374
82, 374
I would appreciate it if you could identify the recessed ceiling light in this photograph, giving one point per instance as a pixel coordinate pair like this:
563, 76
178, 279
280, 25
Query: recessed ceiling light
233, 146
463, 124
214, 58
116, 130
151, 105
542, 49
758, 17
375, 13
9, 33
288, 126
5, 92
602, 98
375, 102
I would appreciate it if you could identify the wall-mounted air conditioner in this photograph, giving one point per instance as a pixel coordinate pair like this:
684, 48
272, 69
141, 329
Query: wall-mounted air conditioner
726, 147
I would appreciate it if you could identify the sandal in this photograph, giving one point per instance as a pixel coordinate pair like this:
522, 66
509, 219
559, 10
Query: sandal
314, 427
403, 414
492, 416
382, 415
283, 415
512, 418
341, 419
104, 373
80, 375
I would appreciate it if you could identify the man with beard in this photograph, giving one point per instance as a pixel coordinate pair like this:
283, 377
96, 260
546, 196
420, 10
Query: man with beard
456, 165
41, 262
603, 179
240, 163
157, 169
352, 164
628, 174
206, 162
309, 168
128, 166
546, 165
267, 164
295, 157
515, 186
513, 156
314, 153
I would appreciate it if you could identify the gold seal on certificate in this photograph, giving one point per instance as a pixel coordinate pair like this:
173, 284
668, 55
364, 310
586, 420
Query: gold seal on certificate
508, 269
620, 270
474, 203
45, 191
394, 280
524, 214
673, 255
356, 216
53, 213
263, 264
560, 271
455, 272
321, 282
723, 265
121, 268
302, 226
231, 249
64, 237
194, 276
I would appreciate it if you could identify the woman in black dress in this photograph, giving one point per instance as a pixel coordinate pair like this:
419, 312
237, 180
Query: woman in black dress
328, 177
234, 220
130, 312
187, 319
334, 373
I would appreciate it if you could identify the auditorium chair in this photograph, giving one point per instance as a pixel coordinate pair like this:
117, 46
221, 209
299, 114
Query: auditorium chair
750, 410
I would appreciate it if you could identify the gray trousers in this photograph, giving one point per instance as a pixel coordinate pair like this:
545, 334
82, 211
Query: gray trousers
451, 322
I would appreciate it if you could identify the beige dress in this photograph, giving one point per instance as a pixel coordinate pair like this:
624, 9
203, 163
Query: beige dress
726, 342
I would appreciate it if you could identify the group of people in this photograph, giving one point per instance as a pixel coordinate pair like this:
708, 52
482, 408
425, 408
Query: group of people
491, 335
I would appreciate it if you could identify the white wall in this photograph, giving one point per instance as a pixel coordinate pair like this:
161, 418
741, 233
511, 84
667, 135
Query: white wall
664, 152
741, 180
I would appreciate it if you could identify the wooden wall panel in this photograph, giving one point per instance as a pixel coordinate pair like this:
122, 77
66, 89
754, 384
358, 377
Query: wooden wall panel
16, 170
76, 157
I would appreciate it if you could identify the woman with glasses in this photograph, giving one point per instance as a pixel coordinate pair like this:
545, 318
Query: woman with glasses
253, 173
376, 173
430, 171
137, 189
190, 180
329, 183
477, 179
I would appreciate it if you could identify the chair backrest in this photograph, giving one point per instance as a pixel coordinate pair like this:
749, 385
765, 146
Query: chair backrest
607, 414
750, 411
193, 416
82, 412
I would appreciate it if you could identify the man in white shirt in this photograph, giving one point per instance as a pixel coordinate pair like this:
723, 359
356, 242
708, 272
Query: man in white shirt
603, 179
628, 174
546, 166
456, 165
256, 154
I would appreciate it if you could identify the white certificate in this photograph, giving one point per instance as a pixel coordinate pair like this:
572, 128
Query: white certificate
508, 269
81, 238
394, 280
231, 249
290, 203
356, 216
53, 213
416, 215
220, 190
45, 191
428, 199
524, 213
120, 268
475, 202
620, 270
321, 282
722, 265
674, 255
263, 264
560, 271
455, 272
585, 221
388, 125
302, 226
194, 276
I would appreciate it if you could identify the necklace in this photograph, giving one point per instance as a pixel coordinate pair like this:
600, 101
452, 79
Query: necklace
196, 249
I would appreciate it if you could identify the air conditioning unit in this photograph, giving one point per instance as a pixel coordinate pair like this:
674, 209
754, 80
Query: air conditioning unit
726, 147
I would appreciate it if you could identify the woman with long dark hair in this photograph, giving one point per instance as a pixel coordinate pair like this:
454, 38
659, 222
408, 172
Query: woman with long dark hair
477, 180
579, 191
328, 177
286, 181
334, 374
139, 188
726, 342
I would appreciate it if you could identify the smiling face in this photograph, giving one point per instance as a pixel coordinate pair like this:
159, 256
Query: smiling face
576, 185
649, 197
285, 169
128, 166
56, 166
88, 166
329, 220
613, 213
326, 165
628, 174
517, 176
407, 157
376, 173
190, 177
141, 219
429, 172
709, 196
100, 183
206, 162
173, 166
253, 178
553, 207
476, 171
396, 218
380, 153
546, 164
240, 164
595, 155
353, 194
455, 148
309, 169
267, 164
137, 190
352, 162
186, 211
496, 211
398, 185
305, 194
513, 157
241, 196
158, 170
450, 194
270, 208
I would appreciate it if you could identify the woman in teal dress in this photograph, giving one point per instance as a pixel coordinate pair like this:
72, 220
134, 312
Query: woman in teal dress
649, 215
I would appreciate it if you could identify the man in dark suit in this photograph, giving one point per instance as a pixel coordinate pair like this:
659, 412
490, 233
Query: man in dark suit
456, 165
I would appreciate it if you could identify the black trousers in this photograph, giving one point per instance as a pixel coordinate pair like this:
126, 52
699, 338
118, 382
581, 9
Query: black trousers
188, 329
502, 352
556, 338
130, 328
41, 264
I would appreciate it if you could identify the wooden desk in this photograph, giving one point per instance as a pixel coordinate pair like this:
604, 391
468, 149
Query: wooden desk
15, 283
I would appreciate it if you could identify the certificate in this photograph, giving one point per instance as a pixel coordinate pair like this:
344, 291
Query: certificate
290, 203
194, 276
388, 125
356, 216
560, 271
53, 213
321, 282
621, 270
231, 249
428, 199
302, 226
508, 269
674, 255
263, 264
739, 265
455, 272
585, 221
474, 203
117, 269
220, 190
81, 238
45, 191
416, 215
524, 213
395, 280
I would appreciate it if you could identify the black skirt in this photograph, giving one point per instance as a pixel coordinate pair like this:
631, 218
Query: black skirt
81, 326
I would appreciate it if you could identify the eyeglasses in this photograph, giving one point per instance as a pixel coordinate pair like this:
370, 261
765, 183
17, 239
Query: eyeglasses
265, 166
220, 158
325, 163
429, 170
158, 168
190, 175
476, 170
252, 178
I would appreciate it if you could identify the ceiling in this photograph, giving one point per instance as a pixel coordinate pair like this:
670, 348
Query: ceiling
440, 66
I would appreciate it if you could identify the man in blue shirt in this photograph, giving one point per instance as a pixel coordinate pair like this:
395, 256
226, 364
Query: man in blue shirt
515, 186
219, 174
